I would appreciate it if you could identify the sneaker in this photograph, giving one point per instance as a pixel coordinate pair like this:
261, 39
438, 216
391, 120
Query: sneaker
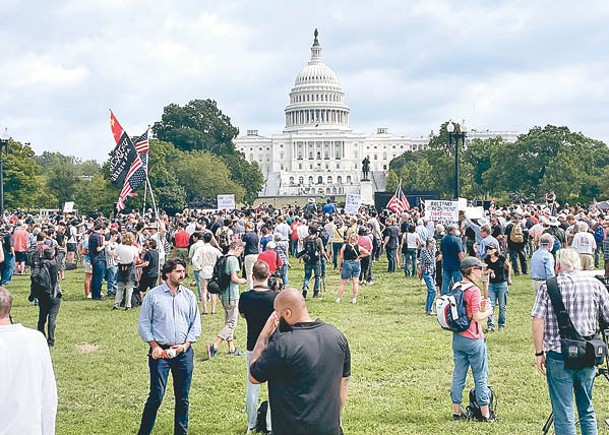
337, 300
316, 296
431, 313
354, 301
236, 352
211, 350
462, 416
491, 418
491, 329
89, 296
114, 308
501, 328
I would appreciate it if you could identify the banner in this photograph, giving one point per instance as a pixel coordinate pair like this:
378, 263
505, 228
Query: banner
442, 212
123, 155
226, 202
68, 206
352, 203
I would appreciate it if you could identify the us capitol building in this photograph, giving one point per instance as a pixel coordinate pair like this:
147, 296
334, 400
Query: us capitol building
318, 153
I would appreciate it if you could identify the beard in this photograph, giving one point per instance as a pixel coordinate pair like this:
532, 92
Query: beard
284, 326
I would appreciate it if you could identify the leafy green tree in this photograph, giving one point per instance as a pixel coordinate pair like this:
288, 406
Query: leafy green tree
199, 125
23, 185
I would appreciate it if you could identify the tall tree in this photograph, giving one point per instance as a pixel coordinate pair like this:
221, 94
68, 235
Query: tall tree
23, 184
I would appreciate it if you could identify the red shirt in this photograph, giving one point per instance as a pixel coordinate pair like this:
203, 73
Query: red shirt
365, 242
294, 228
182, 239
20, 240
272, 258
472, 305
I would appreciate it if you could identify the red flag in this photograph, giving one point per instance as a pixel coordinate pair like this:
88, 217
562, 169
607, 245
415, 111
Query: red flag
117, 129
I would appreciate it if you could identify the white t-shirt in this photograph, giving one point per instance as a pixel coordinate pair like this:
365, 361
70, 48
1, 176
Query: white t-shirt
126, 253
28, 392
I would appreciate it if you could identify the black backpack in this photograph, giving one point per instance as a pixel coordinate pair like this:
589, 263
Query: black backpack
311, 253
40, 279
220, 279
261, 418
224, 238
473, 410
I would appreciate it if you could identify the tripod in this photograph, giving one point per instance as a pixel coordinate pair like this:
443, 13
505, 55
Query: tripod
600, 371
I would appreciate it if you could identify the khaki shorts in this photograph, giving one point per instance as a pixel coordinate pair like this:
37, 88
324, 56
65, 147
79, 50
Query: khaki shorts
484, 277
86, 265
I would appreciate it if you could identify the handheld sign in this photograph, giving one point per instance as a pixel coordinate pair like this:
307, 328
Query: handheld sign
352, 203
442, 212
226, 202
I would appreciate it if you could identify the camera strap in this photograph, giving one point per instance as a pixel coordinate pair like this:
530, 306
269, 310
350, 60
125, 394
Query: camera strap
565, 326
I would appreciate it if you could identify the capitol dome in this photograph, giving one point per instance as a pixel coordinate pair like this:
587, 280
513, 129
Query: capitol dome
317, 99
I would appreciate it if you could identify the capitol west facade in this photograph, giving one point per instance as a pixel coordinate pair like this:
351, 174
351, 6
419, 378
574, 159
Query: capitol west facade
318, 153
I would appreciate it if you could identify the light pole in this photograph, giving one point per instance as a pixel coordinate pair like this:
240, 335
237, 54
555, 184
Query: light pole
4, 141
456, 136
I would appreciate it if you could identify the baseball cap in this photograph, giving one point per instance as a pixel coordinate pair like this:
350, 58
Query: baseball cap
471, 262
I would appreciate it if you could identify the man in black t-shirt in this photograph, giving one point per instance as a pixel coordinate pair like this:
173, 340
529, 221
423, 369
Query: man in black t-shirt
256, 306
307, 364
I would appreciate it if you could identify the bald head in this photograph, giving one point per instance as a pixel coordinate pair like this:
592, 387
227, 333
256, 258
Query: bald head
291, 306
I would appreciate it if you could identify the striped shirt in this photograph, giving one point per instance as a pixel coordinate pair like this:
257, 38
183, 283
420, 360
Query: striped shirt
584, 297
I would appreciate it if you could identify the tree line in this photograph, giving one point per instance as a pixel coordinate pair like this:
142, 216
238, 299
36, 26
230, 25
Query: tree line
191, 160
543, 159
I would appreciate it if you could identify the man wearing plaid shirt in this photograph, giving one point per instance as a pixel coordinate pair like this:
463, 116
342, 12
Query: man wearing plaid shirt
585, 298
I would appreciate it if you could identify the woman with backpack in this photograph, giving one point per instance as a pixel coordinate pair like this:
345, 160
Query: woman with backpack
350, 267
469, 347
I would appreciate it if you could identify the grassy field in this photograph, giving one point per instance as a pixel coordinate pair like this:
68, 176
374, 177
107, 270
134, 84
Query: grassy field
401, 365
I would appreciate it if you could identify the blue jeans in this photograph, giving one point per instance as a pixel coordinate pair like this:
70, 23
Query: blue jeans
308, 271
447, 276
111, 275
497, 293
336, 247
430, 282
99, 270
284, 275
294, 247
410, 262
251, 398
390, 259
7, 267
562, 383
466, 353
181, 369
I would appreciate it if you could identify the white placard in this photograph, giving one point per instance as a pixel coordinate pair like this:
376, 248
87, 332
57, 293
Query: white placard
352, 203
442, 212
226, 202
462, 204
474, 212
68, 207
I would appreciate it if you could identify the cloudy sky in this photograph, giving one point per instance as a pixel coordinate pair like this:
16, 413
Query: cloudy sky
404, 64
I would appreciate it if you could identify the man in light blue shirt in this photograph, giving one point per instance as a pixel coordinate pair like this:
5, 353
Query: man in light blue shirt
170, 322
542, 262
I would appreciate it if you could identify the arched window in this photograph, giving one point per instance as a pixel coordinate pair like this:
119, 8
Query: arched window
348, 179
320, 180
291, 180
301, 180
251, 157
330, 179
334, 190
328, 190
281, 155
340, 190
339, 179
384, 155
310, 180
318, 155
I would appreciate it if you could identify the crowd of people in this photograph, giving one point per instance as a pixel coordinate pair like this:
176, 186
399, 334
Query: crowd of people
145, 258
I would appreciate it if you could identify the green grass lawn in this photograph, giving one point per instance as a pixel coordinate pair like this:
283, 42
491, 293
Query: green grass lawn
401, 365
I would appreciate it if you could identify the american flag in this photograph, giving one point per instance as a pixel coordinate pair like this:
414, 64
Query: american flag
134, 179
141, 143
398, 202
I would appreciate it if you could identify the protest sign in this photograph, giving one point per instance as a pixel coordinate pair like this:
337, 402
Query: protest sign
474, 212
68, 207
442, 212
226, 202
352, 203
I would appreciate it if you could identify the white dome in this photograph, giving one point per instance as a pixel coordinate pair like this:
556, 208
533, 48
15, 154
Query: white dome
317, 73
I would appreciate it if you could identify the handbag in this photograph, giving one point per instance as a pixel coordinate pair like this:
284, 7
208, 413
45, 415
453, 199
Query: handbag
579, 352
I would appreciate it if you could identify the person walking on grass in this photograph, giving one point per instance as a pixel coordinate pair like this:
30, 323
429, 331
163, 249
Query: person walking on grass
427, 264
204, 260
169, 322
350, 267
469, 346
127, 256
230, 300
256, 306
500, 276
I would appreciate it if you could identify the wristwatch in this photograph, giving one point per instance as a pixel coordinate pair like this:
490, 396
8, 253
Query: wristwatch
540, 353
